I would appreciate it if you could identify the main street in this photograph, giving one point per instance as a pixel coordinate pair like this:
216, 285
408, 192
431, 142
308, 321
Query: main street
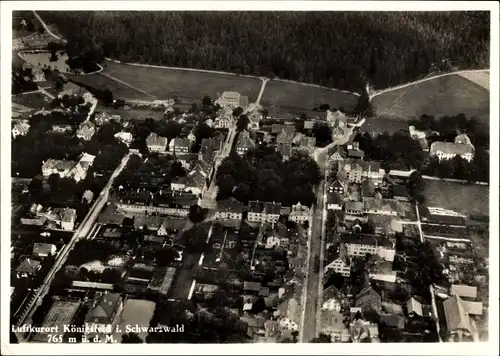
313, 286
82, 231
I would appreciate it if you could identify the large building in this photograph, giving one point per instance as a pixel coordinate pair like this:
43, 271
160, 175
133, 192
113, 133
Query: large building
263, 211
447, 150
358, 245
69, 169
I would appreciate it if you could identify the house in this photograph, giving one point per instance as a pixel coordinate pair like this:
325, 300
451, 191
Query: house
86, 130
67, 218
308, 143
463, 291
356, 208
458, 321
254, 120
340, 262
369, 301
229, 98
54, 166
372, 170
299, 213
87, 196
224, 119
263, 211
387, 207
251, 288
353, 151
178, 184
61, 129
43, 250
156, 143
414, 308
105, 312
71, 89
229, 209
463, 139
354, 172
285, 150
380, 270
333, 117
191, 137
179, 146
448, 150
332, 324
338, 156
286, 136
337, 186
289, 315
361, 244
244, 143
64, 219
20, 129
361, 330
334, 201
28, 268
124, 137
332, 299
195, 181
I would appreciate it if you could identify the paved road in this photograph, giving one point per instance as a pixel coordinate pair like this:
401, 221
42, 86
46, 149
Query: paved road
314, 279
82, 231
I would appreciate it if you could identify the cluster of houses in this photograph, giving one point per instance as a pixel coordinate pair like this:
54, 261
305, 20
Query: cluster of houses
69, 169
53, 218
284, 137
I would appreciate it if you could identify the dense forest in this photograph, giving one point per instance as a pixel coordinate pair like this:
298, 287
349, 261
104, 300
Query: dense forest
337, 49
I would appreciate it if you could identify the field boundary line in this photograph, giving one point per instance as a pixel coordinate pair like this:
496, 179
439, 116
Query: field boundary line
316, 86
453, 180
425, 80
126, 84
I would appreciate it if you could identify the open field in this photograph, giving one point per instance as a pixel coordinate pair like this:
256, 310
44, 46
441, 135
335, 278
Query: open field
165, 83
462, 198
378, 125
449, 95
297, 98
480, 78
25, 104
101, 82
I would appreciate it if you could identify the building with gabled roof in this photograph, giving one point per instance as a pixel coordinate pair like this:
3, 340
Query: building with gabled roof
196, 180
458, 321
179, 145
340, 262
43, 249
285, 150
332, 324
105, 312
289, 315
156, 143
369, 301
28, 268
463, 291
332, 299
20, 129
448, 150
86, 130
264, 211
124, 137
244, 143
229, 209
359, 244
299, 213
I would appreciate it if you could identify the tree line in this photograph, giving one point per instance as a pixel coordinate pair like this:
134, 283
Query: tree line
262, 175
337, 49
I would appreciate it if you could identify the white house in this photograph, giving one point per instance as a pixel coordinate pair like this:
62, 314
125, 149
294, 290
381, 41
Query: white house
20, 129
332, 299
340, 263
229, 98
156, 143
358, 245
448, 150
299, 213
289, 315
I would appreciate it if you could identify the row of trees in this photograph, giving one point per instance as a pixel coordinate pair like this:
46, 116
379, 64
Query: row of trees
327, 48
22, 79
398, 150
262, 175
446, 129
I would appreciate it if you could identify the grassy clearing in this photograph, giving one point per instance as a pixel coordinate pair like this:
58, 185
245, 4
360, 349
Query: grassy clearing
101, 82
462, 198
298, 98
450, 95
166, 83
480, 78
132, 114
33, 101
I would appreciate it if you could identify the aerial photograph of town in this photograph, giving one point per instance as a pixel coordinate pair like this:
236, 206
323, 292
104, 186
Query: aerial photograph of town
212, 177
